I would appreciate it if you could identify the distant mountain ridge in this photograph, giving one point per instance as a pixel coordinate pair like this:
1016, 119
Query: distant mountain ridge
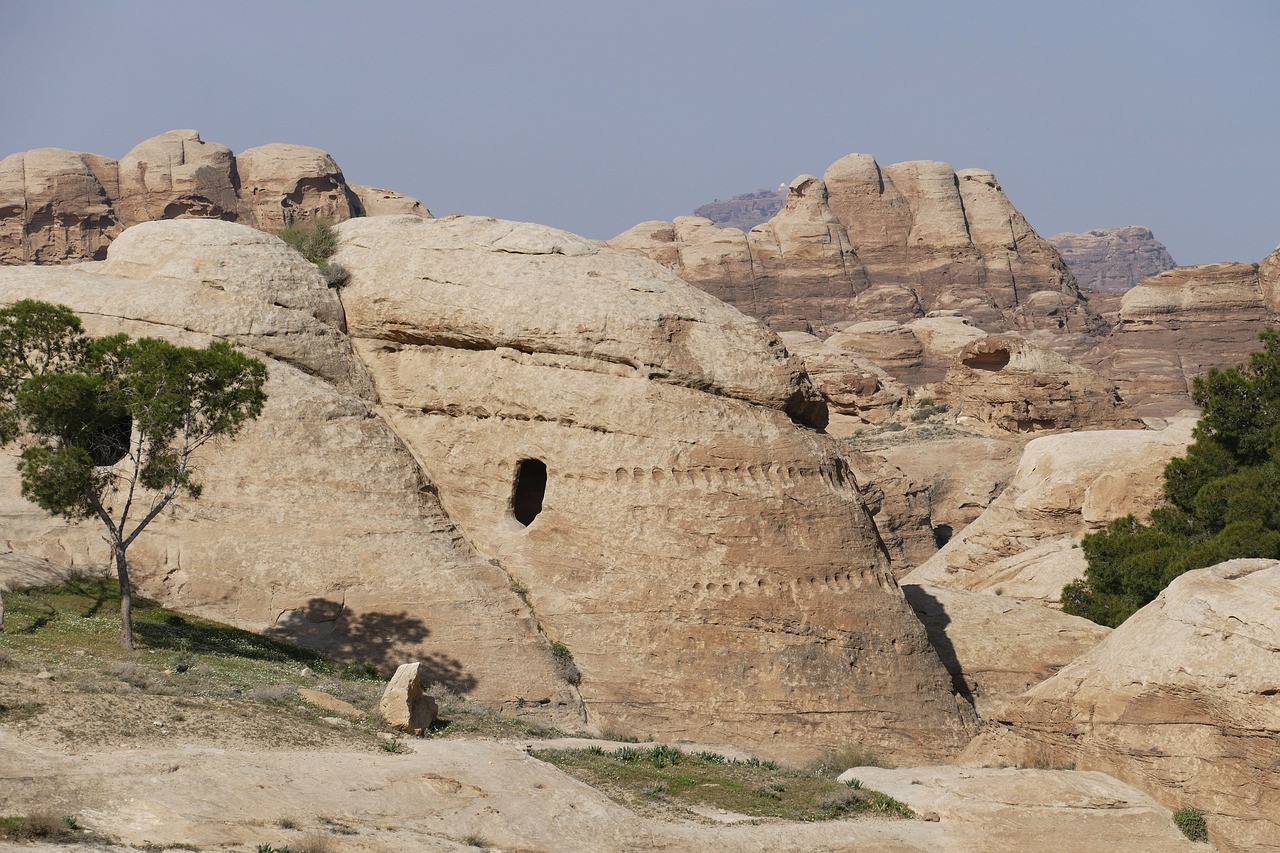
1113, 260
745, 211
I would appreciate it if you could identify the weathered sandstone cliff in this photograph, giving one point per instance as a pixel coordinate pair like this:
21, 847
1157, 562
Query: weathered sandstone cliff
1112, 260
64, 206
872, 243
1182, 700
524, 439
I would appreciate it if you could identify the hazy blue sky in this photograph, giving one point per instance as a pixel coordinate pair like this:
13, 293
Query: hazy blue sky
593, 116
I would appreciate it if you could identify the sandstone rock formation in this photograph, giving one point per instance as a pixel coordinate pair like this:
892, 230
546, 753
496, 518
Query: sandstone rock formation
1065, 486
1112, 260
65, 206
316, 524
900, 506
1181, 701
632, 455
1011, 384
858, 392
1177, 325
996, 647
562, 397
403, 705
745, 211
866, 243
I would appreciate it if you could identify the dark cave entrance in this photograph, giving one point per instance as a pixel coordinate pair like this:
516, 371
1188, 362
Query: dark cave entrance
529, 490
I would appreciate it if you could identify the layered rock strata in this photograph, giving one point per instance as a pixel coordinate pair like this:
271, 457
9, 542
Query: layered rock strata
65, 206
1112, 260
1175, 326
524, 439
1182, 701
872, 243
626, 447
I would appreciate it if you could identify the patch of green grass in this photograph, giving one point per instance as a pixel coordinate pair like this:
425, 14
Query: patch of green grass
45, 825
459, 718
755, 788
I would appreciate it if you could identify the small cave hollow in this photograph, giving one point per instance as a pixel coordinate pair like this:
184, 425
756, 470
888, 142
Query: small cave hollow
529, 489
994, 360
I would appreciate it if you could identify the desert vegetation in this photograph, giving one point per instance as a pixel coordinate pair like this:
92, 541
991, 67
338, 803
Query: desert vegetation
1222, 497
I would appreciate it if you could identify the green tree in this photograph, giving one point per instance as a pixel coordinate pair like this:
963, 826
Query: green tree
1223, 497
111, 426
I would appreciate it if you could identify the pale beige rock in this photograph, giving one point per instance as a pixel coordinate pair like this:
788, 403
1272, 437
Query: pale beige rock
869, 243
1013, 811
1065, 486
858, 392
282, 184
900, 506
1015, 386
886, 343
55, 206
380, 202
177, 175
1181, 701
403, 705
996, 647
706, 561
1176, 325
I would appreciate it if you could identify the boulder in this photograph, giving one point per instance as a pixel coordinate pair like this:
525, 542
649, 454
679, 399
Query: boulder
1182, 701
637, 456
403, 705
857, 391
380, 202
1112, 260
177, 175
1065, 486
282, 184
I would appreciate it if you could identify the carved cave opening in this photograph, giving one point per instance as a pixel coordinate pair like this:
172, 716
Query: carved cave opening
995, 360
528, 491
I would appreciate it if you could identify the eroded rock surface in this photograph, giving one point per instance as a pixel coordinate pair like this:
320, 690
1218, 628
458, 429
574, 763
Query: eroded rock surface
872, 243
1182, 701
626, 447
1112, 260
66, 206
1066, 486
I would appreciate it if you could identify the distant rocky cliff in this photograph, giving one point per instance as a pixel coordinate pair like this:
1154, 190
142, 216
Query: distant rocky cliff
61, 206
1112, 260
872, 243
745, 211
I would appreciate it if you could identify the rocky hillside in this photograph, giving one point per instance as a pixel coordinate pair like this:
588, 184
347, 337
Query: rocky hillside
1112, 260
871, 243
65, 206
745, 211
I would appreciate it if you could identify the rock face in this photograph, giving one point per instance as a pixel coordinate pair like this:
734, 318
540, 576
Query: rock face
858, 392
624, 446
1177, 325
316, 524
1181, 701
1009, 383
65, 206
517, 409
1065, 486
745, 211
866, 243
1112, 260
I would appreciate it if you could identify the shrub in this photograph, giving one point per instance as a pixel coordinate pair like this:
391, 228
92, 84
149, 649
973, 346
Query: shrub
565, 666
316, 241
1191, 822
1223, 497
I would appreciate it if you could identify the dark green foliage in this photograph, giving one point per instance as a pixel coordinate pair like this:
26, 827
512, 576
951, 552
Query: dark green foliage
1224, 497
317, 241
106, 420
1191, 822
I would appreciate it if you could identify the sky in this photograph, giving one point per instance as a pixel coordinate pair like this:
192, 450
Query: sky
594, 116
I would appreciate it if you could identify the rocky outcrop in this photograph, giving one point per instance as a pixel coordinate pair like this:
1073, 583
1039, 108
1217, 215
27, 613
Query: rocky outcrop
745, 211
900, 507
561, 397
1112, 260
1011, 384
516, 409
1066, 486
858, 392
65, 206
866, 243
1180, 701
1175, 326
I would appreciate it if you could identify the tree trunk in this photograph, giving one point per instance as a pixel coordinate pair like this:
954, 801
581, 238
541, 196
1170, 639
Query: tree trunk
126, 598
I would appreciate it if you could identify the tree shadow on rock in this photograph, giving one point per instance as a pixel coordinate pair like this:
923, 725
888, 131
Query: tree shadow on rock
384, 640
933, 615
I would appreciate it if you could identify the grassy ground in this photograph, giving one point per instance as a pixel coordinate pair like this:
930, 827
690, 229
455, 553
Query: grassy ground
661, 779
